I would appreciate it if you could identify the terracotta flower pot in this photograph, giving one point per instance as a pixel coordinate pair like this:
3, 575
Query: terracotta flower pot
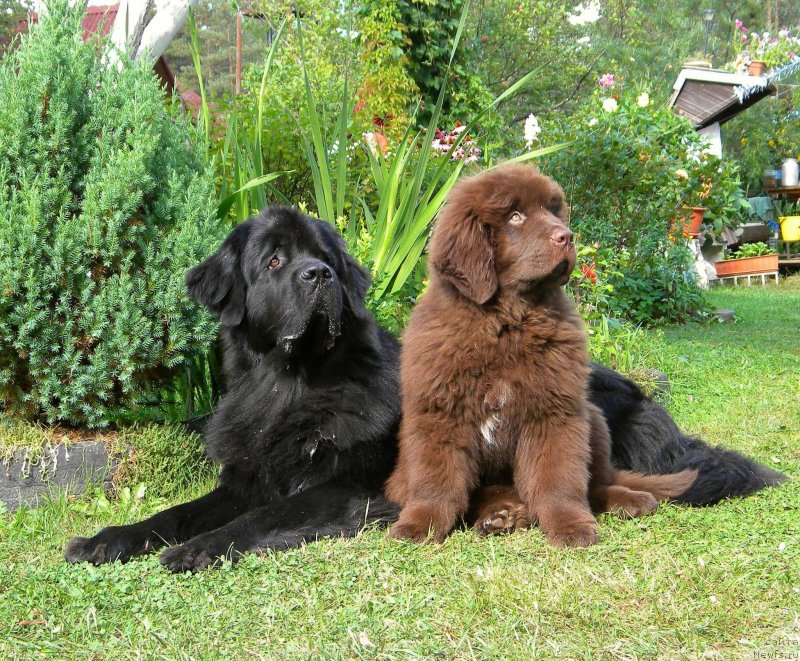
747, 266
690, 226
757, 68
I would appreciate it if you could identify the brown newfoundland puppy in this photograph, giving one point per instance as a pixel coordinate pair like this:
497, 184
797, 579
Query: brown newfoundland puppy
495, 374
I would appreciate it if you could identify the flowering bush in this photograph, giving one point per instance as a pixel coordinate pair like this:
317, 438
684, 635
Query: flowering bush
773, 50
621, 180
444, 141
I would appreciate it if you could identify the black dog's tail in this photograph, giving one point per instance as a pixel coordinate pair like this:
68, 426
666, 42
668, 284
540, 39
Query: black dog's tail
645, 439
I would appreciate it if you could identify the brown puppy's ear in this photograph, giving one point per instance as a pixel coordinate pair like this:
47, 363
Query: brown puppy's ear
218, 282
462, 252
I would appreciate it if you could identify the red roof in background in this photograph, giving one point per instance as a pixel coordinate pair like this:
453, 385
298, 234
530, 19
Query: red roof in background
98, 19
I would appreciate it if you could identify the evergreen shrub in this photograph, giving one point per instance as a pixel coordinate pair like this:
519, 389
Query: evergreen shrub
104, 203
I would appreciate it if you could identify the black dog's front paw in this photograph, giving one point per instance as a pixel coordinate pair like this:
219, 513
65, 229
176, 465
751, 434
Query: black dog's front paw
190, 556
110, 544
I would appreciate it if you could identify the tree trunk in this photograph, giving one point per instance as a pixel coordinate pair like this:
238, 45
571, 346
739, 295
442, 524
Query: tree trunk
138, 33
161, 30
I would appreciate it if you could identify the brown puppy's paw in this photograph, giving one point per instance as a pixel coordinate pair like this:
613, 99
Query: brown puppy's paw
505, 520
576, 534
413, 532
634, 503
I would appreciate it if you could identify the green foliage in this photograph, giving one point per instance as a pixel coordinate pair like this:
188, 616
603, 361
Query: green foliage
103, 206
762, 137
387, 91
271, 116
439, 56
216, 21
757, 249
624, 178
505, 35
625, 347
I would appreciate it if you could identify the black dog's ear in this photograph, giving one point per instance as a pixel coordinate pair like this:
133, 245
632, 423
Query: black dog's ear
358, 281
218, 282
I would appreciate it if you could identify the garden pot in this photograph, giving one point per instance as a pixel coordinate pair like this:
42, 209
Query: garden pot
757, 68
790, 228
747, 266
690, 226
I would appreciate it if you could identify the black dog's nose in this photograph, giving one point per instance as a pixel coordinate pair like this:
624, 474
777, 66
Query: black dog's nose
561, 237
316, 271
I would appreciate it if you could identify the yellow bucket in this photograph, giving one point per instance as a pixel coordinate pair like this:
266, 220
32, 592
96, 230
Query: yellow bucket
790, 228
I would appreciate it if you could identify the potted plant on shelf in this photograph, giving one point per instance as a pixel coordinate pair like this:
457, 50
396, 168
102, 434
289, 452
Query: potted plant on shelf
750, 259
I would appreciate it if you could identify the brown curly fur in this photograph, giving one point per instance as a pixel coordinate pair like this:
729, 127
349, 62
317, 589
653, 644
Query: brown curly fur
494, 374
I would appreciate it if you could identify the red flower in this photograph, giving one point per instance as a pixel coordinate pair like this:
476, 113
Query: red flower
589, 273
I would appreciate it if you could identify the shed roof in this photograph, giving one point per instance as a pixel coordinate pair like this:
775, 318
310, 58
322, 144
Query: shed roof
706, 96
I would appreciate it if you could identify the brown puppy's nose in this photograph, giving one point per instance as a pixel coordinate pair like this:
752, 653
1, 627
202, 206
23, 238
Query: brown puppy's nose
561, 237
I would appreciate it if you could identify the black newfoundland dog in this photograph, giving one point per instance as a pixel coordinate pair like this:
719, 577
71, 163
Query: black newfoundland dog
306, 432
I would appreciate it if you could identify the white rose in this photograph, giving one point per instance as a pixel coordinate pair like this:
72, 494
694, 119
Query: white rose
532, 130
610, 105
593, 121
643, 100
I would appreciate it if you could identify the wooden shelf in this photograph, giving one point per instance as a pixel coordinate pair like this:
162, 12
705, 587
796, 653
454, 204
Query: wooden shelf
792, 192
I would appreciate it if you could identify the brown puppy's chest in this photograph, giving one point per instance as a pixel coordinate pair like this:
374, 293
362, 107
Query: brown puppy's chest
522, 381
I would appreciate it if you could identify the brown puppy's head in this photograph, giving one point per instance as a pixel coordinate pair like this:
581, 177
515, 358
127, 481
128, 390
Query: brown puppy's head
503, 229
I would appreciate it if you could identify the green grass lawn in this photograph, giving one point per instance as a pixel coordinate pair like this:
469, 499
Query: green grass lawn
721, 582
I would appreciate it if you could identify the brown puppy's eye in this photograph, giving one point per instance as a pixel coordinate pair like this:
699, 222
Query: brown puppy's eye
555, 206
274, 262
516, 218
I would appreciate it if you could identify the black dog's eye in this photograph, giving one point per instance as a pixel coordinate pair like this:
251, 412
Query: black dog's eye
274, 262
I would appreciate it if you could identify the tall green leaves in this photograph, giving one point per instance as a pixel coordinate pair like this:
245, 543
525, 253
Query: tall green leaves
244, 188
409, 185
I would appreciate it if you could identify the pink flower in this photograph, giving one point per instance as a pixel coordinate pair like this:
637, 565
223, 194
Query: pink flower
738, 23
606, 80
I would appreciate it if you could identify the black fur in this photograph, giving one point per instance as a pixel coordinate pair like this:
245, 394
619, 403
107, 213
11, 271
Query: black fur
306, 432
646, 439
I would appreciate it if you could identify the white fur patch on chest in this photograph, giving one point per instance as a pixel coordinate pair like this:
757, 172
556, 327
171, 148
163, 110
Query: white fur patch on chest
496, 398
489, 427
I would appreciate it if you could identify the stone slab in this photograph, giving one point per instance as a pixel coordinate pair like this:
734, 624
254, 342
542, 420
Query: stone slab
62, 467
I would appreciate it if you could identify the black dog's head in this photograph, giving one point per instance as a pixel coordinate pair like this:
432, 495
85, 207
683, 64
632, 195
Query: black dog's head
284, 279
